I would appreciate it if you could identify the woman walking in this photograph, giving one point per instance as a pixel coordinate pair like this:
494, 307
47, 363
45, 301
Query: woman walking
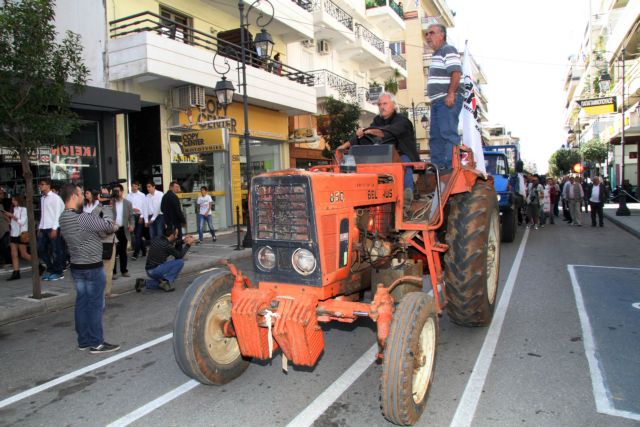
19, 225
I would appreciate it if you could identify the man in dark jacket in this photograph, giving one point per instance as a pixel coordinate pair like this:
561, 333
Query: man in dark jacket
163, 273
172, 211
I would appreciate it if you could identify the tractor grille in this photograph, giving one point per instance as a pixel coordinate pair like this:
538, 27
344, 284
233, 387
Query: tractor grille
282, 212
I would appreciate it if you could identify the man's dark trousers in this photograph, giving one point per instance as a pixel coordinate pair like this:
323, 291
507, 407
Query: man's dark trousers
138, 245
597, 208
121, 250
51, 251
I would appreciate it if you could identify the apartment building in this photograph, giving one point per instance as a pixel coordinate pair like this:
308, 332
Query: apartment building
608, 65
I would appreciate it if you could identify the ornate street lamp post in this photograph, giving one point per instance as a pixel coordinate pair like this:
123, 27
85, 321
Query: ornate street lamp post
224, 89
424, 121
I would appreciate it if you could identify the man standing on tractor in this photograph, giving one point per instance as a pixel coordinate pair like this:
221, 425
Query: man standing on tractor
445, 92
392, 128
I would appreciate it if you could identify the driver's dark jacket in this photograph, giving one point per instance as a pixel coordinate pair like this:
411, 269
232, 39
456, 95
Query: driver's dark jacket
398, 131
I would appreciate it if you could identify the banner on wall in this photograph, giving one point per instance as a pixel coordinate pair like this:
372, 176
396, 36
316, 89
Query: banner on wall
203, 141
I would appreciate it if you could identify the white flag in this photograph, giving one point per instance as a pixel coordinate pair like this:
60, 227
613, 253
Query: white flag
471, 136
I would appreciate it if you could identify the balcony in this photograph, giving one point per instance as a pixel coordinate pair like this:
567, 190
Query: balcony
332, 22
367, 102
146, 49
386, 14
292, 19
368, 48
329, 84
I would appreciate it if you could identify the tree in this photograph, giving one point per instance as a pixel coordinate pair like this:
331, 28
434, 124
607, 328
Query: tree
594, 151
561, 162
34, 102
339, 124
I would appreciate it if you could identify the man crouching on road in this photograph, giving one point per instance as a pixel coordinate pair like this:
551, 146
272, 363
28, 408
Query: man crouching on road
163, 273
82, 231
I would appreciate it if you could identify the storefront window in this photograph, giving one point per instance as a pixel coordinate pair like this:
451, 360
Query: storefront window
265, 157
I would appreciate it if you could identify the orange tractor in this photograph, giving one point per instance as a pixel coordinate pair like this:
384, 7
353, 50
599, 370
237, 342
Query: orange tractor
323, 237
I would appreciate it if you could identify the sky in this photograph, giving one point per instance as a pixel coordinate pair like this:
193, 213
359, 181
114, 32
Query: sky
523, 48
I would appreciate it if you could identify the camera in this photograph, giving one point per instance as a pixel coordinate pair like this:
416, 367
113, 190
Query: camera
112, 193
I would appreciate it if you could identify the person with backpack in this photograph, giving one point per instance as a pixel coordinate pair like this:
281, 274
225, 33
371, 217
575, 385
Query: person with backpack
534, 192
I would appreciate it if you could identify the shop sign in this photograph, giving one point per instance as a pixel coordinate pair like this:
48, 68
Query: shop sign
596, 106
184, 158
305, 138
202, 141
205, 117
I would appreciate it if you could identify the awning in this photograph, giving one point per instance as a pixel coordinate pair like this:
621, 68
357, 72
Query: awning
628, 139
99, 99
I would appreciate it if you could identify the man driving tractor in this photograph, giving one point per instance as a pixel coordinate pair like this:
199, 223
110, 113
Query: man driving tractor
392, 128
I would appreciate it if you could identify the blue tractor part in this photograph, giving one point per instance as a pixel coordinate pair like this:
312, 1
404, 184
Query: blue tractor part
497, 164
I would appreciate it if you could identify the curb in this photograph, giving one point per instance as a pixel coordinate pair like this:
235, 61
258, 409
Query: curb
59, 302
622, 225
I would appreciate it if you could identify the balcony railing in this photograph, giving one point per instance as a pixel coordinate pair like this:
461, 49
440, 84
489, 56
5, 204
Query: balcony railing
345, 87
370, 4
305, 4
335, 11
369, 37
365, 95
400, 60
151, 22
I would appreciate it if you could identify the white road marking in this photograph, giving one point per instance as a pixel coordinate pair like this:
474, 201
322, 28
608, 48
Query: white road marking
30, 392
335, 390
605, 266
154, 404
636, 305
208, 270
604, 405
469, 400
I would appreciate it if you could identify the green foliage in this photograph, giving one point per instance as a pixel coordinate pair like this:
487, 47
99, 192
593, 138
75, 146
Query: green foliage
391, 84
561, 162
34, 101
340, 122
594, 151
34, 105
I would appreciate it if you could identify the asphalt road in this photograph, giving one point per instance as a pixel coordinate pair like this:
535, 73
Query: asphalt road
562, 352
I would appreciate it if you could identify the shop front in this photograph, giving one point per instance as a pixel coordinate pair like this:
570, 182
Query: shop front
88, 155
306, 147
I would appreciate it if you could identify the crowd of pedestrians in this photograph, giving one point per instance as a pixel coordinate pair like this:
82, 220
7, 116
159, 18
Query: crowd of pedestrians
572, 192
87, 232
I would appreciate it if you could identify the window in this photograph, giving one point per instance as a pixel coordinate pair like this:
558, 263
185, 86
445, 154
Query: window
176, 25
397, 48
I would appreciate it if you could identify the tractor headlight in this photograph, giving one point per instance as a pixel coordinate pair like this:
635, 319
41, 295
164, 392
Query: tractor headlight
266, 258
303, 261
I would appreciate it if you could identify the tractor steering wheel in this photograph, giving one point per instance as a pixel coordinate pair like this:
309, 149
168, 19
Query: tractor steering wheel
371, 139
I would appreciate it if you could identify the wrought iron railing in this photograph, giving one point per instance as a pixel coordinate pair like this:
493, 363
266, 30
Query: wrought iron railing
345, 87
369, 37
391, 3
305, 4
400, 60
151, 22
335, 11
365, 95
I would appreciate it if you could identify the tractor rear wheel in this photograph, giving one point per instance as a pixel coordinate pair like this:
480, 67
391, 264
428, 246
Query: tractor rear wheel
409, 359
472, 261
200, 347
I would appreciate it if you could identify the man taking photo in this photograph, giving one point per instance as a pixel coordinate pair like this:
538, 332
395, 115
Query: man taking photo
162, 273
82, 233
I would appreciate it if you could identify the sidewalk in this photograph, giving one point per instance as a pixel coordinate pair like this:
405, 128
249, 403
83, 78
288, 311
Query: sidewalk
16, 304
629, 223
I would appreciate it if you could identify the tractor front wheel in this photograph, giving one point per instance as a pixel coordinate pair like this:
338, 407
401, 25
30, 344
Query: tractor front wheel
472, 261
409, 359
200, 346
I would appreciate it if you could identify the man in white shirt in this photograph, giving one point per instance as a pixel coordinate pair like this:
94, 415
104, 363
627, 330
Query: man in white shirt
154, 213
139, 202
123, 213
50, 245
597, 195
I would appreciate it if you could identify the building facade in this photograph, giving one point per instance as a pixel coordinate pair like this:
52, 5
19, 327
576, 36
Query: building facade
607, 65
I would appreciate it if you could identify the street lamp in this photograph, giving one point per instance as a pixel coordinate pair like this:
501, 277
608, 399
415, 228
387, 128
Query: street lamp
224, 89
424, 121
605, 82
622, 210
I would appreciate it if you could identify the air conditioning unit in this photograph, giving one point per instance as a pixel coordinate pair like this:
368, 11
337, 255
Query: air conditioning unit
309, 43
188, 96
324, 47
